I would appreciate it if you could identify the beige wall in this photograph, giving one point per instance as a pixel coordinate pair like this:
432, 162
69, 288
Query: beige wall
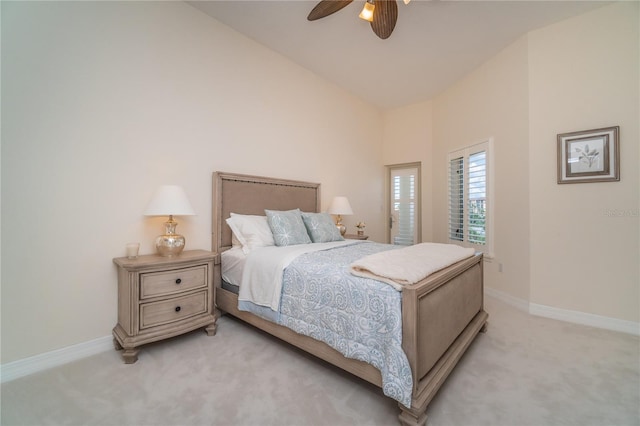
584, 74
104, 101
491, 103
568, 247
407, 136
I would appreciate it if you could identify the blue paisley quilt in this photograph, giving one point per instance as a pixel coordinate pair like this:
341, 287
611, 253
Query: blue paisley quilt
359, 317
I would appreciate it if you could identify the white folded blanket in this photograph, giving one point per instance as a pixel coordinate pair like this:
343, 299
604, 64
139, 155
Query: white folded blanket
410, 264
264, 267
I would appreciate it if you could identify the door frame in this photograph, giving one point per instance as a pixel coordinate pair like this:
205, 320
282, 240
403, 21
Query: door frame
387, 191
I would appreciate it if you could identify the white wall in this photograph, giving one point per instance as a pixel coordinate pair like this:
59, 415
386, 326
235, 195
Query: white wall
104, 101
584, 74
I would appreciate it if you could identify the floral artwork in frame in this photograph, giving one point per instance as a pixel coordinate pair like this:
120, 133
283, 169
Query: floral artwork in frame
589, 156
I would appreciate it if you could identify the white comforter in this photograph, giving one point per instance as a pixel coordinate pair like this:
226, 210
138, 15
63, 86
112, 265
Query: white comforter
262, 276
409, 265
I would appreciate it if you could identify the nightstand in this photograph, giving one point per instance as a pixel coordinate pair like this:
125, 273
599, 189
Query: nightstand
161, 297
355, 237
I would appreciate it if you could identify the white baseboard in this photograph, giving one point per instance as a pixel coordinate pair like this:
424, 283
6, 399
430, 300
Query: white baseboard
566, 315
583, 318
516, 302
24, 367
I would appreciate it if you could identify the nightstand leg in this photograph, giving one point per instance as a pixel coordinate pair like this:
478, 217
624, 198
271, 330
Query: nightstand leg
130, 355
211, 329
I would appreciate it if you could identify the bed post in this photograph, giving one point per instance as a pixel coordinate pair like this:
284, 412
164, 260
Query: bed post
412, 417
216, 243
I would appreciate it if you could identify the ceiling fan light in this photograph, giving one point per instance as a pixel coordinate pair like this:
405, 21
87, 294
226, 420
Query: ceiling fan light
367, 11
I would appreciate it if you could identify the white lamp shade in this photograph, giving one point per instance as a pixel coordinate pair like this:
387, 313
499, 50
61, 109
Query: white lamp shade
169, 200
340, 205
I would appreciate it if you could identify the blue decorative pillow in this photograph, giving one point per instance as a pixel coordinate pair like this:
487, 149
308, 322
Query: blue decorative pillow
287, 227
321, 228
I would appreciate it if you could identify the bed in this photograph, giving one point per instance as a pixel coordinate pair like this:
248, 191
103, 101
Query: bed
440, 315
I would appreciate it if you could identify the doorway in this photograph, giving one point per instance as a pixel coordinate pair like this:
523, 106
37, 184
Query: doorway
404, 224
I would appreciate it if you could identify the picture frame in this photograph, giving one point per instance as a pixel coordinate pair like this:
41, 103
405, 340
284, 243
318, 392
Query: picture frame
589, 156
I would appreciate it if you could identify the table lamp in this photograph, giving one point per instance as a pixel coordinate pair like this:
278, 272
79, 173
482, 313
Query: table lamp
169, 200
340, 206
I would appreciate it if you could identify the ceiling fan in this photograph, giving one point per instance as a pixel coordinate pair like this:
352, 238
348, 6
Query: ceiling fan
382, 14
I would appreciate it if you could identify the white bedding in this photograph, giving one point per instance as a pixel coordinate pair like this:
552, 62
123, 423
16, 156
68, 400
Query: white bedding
232, 264
409, 265
261, 281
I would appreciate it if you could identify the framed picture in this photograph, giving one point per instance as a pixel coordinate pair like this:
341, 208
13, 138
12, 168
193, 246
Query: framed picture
589, 156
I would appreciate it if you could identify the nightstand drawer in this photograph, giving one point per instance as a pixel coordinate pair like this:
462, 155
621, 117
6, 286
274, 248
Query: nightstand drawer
176, 281
161, 297
171, 310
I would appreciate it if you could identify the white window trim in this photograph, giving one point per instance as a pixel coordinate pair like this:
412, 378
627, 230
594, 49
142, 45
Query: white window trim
486, 145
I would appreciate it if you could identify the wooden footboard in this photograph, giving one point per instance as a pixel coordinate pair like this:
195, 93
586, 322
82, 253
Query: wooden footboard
441, 316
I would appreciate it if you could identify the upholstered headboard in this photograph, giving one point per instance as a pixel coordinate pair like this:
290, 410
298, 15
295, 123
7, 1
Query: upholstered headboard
244, 194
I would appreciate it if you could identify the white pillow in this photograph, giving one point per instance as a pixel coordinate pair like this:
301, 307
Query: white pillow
235, 242
251, 231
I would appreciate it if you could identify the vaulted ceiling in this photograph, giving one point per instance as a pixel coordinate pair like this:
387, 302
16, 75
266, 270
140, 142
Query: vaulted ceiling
435, 42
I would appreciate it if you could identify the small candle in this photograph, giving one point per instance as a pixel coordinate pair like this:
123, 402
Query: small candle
132, 250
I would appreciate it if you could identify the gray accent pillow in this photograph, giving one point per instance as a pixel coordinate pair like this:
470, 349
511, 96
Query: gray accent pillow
287, 227
321, 228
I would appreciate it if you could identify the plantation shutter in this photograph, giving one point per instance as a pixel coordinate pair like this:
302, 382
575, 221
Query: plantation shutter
468, 184
456, 198
404, 206
476, 217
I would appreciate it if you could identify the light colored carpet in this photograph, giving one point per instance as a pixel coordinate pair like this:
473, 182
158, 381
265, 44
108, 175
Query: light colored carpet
524, 371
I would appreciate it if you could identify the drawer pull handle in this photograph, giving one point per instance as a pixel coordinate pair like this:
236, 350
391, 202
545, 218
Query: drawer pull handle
178, 281
178, 308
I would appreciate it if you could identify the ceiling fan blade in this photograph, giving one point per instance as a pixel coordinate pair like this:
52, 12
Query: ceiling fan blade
385, 16
326, 8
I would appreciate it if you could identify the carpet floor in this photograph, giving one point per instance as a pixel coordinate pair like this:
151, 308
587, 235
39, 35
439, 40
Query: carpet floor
525, 370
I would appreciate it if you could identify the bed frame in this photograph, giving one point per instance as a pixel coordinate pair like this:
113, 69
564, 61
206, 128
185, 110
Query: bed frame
441, 315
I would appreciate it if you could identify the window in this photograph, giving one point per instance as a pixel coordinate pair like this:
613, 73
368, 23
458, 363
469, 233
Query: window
469, 197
